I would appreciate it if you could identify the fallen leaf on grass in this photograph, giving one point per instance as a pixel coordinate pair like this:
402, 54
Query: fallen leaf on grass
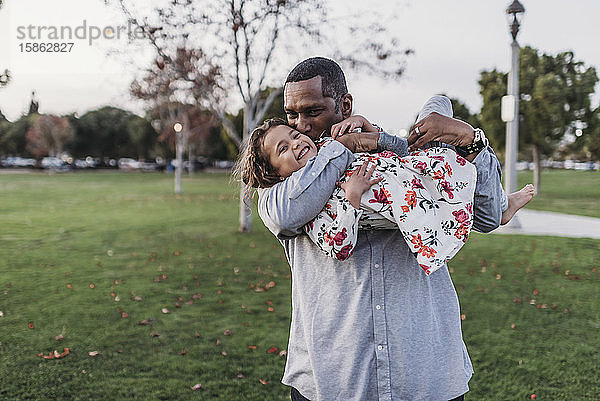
92, 286
182, 352
463, 316
124, 315
138, 298
262, 381
227, 332
164, 310
154, 334
224, 353
93, 353
59, 337
271, 309
145, 322
196, 386
30, 325
197, 335
55, 354
190, 302
282, 352
197, 296
272, 350
69, 285
1, 314
252, 347
240, 376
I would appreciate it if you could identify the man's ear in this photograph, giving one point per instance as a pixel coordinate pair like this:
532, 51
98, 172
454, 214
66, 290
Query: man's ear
346, 105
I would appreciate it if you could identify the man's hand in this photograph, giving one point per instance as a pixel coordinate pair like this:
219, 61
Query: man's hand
359, 183
436, 127
350, 124
359, 141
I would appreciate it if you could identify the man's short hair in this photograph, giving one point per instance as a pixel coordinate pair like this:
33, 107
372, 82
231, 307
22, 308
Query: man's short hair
333, 81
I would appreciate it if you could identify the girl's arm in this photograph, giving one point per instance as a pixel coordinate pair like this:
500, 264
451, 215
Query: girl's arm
287, 206
336, 232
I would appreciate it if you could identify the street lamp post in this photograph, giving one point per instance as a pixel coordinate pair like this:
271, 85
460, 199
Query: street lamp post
511, 101
177, 127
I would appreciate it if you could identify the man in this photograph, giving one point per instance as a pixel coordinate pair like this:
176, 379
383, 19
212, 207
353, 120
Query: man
374, 327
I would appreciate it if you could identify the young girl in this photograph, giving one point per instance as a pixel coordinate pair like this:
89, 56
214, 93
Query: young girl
427, 195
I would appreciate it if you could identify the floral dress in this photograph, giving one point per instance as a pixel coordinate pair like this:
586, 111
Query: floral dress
427, 195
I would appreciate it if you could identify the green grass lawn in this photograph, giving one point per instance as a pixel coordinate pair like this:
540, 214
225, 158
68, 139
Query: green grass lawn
566, 191
227, 295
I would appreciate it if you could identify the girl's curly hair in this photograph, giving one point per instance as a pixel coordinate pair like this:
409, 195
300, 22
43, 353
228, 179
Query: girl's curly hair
252, 166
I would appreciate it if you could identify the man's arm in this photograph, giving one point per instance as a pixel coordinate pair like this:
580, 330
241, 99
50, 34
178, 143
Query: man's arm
487, 211
287, 206
381, 140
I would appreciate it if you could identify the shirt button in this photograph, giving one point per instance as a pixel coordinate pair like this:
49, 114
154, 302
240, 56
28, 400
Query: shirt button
377, 265
378, 307
314, 173
380, 347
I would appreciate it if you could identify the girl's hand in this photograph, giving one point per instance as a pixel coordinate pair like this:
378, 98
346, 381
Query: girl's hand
350, 124
359, 182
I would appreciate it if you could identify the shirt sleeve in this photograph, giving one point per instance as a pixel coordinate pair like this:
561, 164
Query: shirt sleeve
335, 233
487, 204
287, 206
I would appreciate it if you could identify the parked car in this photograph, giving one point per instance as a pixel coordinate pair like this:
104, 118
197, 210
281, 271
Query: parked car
126, 163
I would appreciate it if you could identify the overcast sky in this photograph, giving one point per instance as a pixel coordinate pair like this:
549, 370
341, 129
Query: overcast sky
453, 41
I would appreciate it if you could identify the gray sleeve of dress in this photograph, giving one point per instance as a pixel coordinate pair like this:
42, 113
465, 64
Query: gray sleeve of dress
287, 206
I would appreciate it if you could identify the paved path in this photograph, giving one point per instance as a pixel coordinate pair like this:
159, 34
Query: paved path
535, 222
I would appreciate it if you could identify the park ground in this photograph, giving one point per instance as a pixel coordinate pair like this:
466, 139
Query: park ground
154, 293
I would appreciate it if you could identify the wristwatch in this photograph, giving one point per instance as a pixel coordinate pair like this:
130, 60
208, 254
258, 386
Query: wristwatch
480, 141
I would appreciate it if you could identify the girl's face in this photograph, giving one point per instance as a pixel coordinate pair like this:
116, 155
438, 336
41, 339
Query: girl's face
287, 149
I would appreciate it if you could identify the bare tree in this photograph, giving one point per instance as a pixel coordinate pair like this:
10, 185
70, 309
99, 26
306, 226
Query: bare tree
245, 37
176, 88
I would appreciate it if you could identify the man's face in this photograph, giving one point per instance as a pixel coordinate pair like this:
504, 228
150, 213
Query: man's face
308, 110
287, 149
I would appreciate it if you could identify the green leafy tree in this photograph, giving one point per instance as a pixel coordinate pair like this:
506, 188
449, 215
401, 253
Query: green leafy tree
112, 132
492, 87
554, 99
13, 137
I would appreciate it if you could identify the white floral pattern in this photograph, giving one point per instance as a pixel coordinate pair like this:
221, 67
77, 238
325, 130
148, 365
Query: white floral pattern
427, 195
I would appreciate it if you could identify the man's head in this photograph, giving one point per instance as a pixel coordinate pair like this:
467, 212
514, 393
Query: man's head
316, 96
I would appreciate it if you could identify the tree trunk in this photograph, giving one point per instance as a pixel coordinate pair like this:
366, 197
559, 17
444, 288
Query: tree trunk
191, 161
245, 211
537, 171
179, 156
